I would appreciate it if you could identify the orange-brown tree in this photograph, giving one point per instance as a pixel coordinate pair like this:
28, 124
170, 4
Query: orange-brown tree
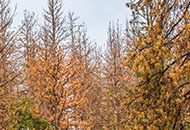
114, 77
158, 56
28, 36
54, 82
8, 62
28, 40
84, 52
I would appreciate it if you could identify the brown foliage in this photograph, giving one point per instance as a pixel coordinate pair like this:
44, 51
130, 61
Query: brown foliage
8, 65
158, 56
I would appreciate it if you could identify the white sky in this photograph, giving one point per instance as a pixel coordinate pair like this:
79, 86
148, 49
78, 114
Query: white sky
95, 13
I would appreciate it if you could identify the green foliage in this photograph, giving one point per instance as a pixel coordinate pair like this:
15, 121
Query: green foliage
130, 91
138, 74
22, 116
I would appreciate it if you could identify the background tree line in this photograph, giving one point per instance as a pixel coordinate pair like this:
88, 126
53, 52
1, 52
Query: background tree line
53, 77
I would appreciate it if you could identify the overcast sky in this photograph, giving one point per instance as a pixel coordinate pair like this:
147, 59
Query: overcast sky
95, 13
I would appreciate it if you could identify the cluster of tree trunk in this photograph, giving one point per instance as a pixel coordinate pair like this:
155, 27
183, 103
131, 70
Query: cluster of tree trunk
53, 77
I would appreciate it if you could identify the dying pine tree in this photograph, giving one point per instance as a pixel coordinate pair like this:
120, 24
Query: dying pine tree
158, 56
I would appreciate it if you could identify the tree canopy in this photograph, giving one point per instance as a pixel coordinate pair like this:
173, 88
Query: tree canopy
52, 76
